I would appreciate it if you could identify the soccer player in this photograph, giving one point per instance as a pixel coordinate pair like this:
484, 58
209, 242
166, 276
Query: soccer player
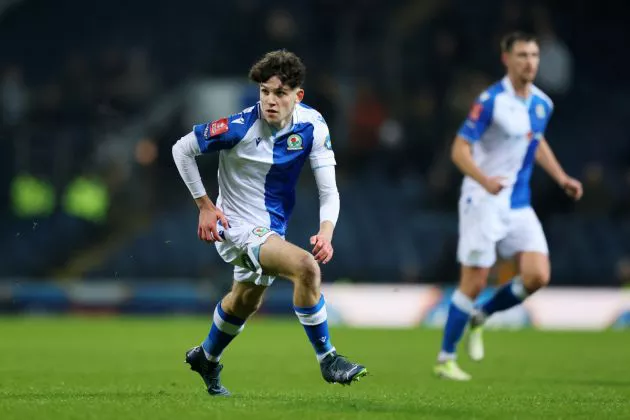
261, 153
495, 149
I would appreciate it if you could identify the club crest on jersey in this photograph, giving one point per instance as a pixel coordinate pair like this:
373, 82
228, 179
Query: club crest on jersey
216, 127
294, 142
260, 231
540, 111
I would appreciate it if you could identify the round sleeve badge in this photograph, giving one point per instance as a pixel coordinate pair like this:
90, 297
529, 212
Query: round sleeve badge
328, 143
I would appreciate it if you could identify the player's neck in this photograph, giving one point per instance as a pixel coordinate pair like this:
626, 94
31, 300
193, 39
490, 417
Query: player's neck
281, 125
521, 88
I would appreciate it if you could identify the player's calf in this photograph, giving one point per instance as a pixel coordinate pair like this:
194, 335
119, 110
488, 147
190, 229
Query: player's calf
244, 299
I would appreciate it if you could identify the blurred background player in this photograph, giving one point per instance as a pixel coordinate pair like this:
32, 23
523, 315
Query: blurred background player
495, 149
262, 151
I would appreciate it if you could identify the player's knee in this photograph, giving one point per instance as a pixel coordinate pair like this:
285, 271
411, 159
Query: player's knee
536, 280
473, 280
308, 272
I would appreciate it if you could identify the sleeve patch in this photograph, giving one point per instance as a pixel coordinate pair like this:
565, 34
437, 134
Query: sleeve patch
475, 112
216, 128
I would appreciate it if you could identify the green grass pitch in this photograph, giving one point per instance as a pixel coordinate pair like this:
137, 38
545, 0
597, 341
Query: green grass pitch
133, 368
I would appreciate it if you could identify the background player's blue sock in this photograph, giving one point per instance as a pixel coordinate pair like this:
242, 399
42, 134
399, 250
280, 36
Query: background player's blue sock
315, 322
224, 328
459, 311
508, 295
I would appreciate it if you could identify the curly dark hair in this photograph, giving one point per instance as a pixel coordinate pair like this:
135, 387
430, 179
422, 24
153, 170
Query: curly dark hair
282, 63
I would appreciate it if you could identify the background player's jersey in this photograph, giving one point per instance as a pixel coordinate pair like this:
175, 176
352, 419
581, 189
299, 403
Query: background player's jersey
505, 130
259, 168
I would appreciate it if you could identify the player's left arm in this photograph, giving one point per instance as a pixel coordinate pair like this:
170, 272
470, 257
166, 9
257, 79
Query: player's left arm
547, 159
323, 163
329, 205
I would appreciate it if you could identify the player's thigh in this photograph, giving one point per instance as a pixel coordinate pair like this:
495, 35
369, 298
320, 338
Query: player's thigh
480, 227
525, 235
280, 257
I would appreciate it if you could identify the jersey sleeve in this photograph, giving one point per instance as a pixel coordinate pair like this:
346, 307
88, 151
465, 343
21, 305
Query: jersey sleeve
479, 118
550, 108
322, 153
223, 133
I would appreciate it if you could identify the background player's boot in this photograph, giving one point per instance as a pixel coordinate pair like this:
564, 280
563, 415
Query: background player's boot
475, 336
209, 371
336, 369
451, 370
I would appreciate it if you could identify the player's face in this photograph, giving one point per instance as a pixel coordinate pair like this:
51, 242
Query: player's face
522, 62
278, 101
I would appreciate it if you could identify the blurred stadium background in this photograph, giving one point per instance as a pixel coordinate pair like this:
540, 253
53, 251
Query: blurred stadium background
93, 95
94, 219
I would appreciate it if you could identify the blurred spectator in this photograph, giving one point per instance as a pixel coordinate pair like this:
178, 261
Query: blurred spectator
598, 198
78, 85
622, 208
139, 82
555, 74
367, 116
14, 97
623, 271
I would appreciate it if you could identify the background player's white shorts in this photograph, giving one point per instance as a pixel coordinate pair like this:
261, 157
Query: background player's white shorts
241, 247
487, 225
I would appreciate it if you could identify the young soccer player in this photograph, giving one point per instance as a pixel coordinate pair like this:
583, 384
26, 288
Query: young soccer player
261, 153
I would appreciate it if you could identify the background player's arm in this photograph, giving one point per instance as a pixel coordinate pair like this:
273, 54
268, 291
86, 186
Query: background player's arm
472, 130
185, 152
461, 155
547, 159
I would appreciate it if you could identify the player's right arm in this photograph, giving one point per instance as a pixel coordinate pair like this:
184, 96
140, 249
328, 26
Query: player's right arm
470, 132
185, 152
461, 155
207, 138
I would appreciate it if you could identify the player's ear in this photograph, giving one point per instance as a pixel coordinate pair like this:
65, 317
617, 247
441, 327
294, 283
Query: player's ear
504, 58
300, 95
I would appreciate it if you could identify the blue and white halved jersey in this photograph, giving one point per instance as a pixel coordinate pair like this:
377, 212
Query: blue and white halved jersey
505, 130
259, 168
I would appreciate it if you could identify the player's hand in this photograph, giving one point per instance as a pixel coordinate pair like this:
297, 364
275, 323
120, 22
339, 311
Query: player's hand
573, 188
322, 248
207, 230
494, 184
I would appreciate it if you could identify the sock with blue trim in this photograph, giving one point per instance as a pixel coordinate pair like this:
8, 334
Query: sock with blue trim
224, 328
507, 296
314, 319
459, 311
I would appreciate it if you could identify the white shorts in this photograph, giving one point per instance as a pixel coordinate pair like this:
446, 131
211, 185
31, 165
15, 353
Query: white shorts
241, 248
487, 225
